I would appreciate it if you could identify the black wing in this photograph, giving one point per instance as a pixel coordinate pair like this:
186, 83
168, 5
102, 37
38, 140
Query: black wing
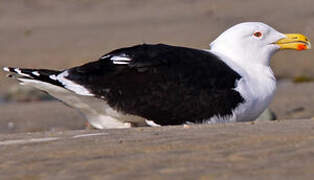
167, 84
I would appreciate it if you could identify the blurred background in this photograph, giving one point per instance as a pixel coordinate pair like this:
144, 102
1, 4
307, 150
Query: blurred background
59, 34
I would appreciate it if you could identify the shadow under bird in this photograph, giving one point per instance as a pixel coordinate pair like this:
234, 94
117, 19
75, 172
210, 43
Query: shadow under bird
155, 85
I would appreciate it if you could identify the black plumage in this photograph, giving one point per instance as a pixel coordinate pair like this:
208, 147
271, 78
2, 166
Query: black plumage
167, 84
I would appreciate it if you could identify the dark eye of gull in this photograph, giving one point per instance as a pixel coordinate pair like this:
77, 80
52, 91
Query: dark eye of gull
258, 34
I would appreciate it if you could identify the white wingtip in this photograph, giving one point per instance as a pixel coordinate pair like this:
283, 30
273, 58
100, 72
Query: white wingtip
53, 77
36, 73
6, 69
18, 71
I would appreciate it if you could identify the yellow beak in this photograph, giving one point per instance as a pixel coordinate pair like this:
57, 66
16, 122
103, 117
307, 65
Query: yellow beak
294, 41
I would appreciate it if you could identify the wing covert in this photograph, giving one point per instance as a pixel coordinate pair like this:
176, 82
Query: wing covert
161, 82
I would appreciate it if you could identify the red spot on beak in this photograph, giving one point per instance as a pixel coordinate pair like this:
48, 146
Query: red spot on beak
301, 47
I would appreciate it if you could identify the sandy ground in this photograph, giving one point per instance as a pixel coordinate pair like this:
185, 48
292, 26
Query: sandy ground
293, 101
39, 116
264, 150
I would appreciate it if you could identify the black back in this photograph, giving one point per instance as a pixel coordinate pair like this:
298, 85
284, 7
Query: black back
167, 84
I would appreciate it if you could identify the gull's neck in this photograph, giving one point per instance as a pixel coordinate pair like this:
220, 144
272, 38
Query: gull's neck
248, 65
258, 83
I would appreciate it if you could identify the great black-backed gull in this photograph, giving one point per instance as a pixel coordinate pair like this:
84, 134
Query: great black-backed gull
160, 84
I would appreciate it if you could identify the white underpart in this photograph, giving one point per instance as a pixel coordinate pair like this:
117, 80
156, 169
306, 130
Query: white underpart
68, 84
152, 123
36, 73
98, 113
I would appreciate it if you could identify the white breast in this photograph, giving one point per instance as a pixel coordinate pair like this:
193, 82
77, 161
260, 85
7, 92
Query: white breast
257, 86
257, 89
